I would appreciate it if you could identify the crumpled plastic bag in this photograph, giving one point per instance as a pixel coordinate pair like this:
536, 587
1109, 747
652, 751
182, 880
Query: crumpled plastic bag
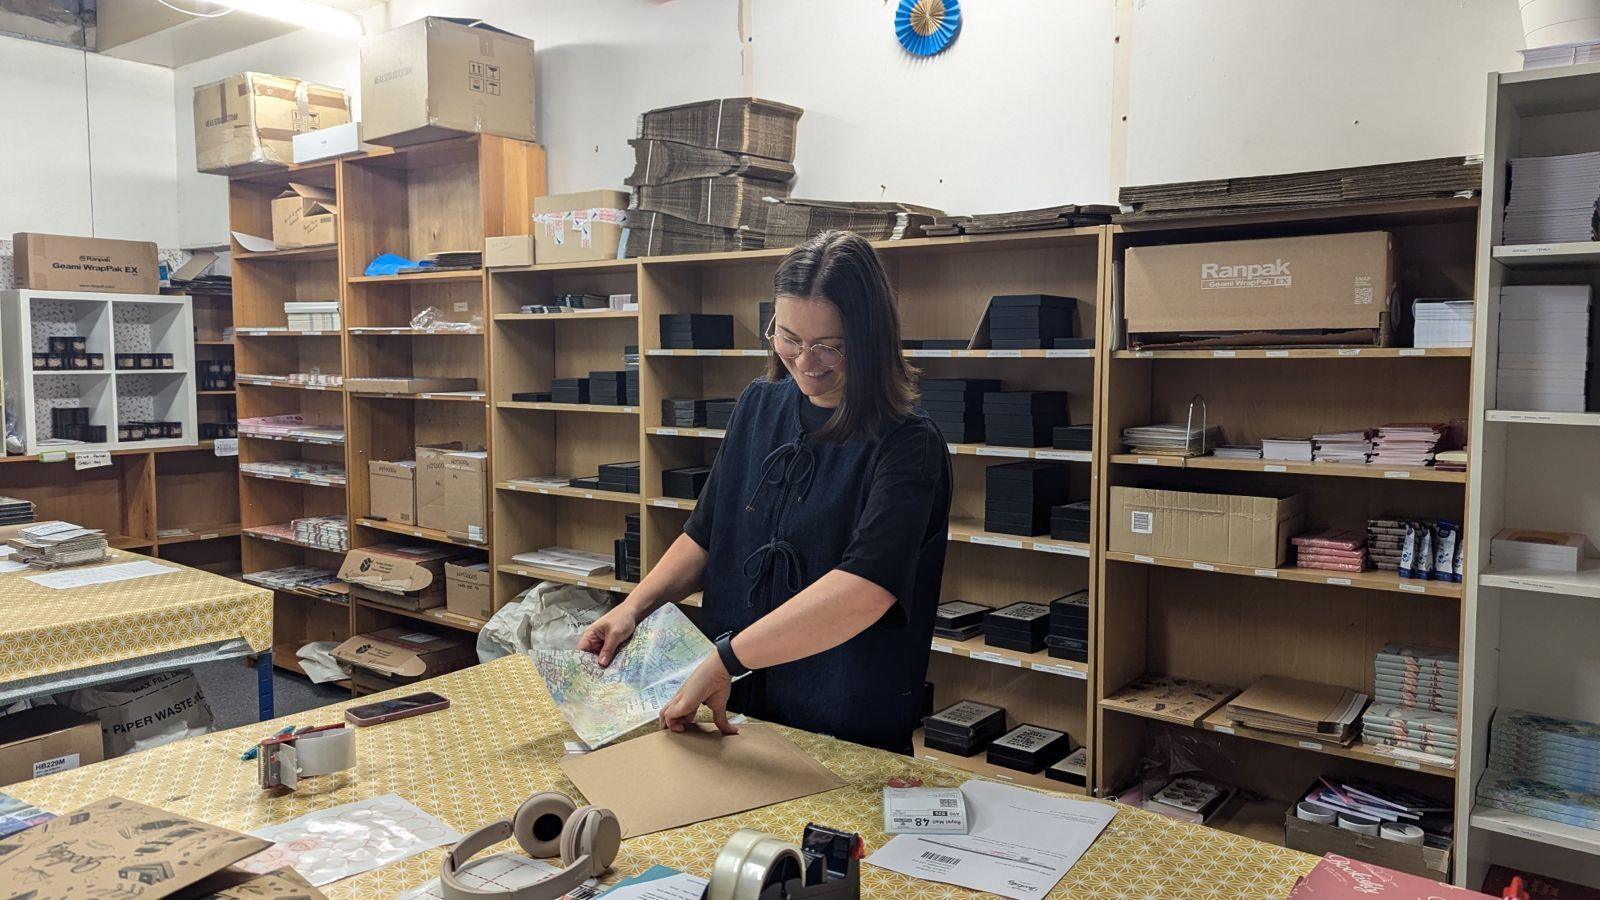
546, 616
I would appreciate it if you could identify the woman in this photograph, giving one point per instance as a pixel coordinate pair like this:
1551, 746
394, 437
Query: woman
819, 538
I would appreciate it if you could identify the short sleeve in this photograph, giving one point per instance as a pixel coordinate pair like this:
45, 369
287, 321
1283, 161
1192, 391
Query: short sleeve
909, 484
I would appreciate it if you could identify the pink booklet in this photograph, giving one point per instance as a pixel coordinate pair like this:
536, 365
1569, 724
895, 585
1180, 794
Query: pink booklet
1342, 878
1332, 539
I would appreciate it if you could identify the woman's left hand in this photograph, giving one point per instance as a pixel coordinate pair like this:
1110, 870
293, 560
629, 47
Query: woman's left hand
707, 685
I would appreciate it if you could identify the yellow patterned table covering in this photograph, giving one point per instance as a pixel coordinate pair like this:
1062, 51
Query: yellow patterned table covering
502, 739
45, 631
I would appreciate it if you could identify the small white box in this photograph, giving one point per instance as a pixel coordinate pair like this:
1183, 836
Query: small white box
324, 143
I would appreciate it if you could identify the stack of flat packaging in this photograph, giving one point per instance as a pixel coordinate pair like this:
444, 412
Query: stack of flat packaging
1544, 348
1552, 199
55, 545
1171, 439
1343, 447
1406, 443
1070, 215
792, 220
963, 728
1522, 548
1288, 706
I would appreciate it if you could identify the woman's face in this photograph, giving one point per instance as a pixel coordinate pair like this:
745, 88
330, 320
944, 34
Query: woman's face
809, 322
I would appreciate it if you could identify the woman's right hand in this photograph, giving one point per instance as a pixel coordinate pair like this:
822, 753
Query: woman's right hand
608, 633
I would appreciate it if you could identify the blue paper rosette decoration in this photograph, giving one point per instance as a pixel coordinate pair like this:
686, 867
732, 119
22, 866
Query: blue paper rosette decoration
926, 27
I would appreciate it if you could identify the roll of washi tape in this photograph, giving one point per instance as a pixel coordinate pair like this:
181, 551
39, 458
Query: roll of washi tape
1315, 812
1358, 824
1400, 832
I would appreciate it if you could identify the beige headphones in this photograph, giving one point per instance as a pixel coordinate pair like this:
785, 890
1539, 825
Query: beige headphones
548, 824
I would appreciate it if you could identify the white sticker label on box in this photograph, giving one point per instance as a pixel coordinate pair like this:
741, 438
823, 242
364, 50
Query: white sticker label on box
1142, 521
924, 811
90, 459
51, 766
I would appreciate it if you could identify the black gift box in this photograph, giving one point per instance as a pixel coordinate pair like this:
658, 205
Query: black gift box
1029, 748
686, 483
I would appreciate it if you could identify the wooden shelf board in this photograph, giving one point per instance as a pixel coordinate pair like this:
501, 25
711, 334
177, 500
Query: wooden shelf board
1064, 353
1303, 353
567, 316
741, 352
1338, 470
429, 534
599, 582
587, 265
1047, 453
1218, 722
215, 393
570, 407
977, 764
309, 482
437, 615
970, 531
201, 533
696, 600
1556, 834
213, 343
1583, 583
244, 380
671, 503
127, 542
716, 434
1369, 580
1533, 417
1041, 661
575, 493
1533, 256
406, 331
291, 254
119, 451
446, 396
457, 275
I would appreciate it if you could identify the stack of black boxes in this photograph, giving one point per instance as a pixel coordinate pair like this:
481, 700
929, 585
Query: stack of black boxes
569, 390
956, 405
70, 353
71, 423
964, 728
216, 374
959, 620
210, 431
1029, 748
1023, 418
148, 431
686, 483
719, 413
1018, 496
1069, 627
1032, 322
625, 565
622, 477
690, 413
1073, 437
613, 388
1021, 627
1070, 521
694, 331
144, 360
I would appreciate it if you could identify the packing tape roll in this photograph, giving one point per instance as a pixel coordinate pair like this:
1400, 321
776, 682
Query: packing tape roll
1400, 832
1315, 812
1358, 824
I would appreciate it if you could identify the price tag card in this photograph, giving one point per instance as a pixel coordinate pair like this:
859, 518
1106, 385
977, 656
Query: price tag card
226, 447
90, 459
924, 811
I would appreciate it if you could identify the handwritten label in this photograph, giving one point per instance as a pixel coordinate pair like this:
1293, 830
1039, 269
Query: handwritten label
996, 542
1396, 473
1002, 451
1350, 351
1204, 567
1267, 573
225, 447
995, 658
1342, 582
1274, 467
90, 459
1063, 671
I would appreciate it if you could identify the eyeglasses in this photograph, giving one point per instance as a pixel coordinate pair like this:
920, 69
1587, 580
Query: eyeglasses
789, 348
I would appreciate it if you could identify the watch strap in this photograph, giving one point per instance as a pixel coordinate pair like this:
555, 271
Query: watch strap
730, 660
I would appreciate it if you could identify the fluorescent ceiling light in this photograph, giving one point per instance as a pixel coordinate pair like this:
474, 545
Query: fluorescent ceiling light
300, 13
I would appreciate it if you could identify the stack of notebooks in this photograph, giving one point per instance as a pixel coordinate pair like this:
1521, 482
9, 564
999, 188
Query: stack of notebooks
1018, 496
1023, 418
1069, 627
14, 511
791, 220
1021, 627
685, 483
1441, 323
1302, 708
1029, 748
1544, 348
1415, 702
566, 560
614, 388
318, 315
326, 532
1341, 551
1286, 449
622, 477
626, 550
686, 412
1237, 451
1073, 437
956, 406
1070, 521
959, 620
719, 413
963, 728
1171, 439
1031, 321
695, 331
1542, 766
569, 390
1552, 199
1521, 548
55, 545
1342, 447
1406, 443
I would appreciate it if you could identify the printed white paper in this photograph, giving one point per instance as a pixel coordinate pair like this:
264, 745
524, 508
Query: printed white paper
75, 578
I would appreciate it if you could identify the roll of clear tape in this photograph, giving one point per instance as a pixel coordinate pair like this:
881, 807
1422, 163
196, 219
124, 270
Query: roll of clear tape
1358, 824
1400, 832
1315, 812
749, 862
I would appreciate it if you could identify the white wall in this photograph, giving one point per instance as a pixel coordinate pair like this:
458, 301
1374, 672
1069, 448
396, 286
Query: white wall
88, 145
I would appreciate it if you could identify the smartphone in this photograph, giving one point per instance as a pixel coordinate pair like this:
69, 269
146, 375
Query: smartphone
398, 708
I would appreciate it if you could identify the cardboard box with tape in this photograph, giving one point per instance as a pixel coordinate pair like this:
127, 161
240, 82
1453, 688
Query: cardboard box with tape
247, 122
577, 227
405, 576
453, 491
61, 262
438, 76
1218, 528
304, 215
1315, 289
392, 657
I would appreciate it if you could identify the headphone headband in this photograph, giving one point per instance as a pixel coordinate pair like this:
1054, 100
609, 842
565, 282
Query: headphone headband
588, 843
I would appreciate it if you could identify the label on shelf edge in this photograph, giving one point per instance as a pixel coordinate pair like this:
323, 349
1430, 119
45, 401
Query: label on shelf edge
1005, 354
1273, 467
1002, 451
1224, 729
1349, 351
1310, 745
1224, 354
90, 459
1061, 353
943, 648
1342, 582
1149, 461
666, 431
1413, 588
954, 448
1408, 764
1413, 351
1143, 559
1204, 567
986, 656
1277, 354
1061, 670
995, 542
1066, 455
1063, 549
1267, 573
1396, 473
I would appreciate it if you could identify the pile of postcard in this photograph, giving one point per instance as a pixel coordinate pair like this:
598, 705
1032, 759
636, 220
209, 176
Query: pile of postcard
312, 315
1343, 447
326, 532
55, 545
1552, 199
1406, 443
1416, 699
566, 560
1543, 766
1543, 362
291, 427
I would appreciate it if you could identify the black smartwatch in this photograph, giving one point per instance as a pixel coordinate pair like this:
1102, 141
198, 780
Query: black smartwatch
730, 660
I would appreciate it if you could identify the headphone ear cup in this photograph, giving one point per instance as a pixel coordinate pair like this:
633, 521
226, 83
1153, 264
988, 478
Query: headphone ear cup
540, 823
593, 831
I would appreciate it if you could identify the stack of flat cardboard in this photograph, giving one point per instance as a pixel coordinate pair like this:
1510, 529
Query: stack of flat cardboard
1288, 706
1069, 215
792, 220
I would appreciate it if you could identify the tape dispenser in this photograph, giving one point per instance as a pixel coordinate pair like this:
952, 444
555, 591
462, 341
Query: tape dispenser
286, 759
754, 865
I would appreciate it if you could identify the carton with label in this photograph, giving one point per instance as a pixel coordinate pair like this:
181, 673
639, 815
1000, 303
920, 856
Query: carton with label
45, 740
401, 655
1315, 289
508, 250
304, 215
60, 262
576, 227
406, 576
392, 490
1217, 528
247, 122
468, 590
453, 491
437, 76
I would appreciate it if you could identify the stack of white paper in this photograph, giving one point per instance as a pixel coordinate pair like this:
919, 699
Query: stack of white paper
1171, 439
566, 559
1552, 199
1544, 347
1287, 449
1561, 55
1442, 323
1343, 447
1520, 548
1238, 451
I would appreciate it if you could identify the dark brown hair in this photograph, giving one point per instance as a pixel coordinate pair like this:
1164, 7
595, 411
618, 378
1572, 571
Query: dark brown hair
841, 268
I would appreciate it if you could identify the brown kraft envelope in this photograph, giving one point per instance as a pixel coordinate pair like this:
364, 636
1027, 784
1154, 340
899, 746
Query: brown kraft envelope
667, 780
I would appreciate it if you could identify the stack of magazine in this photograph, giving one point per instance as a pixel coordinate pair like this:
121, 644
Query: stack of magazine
54, 545
1542, 766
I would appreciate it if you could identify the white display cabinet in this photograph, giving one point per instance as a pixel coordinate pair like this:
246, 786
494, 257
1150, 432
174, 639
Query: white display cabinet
110, 324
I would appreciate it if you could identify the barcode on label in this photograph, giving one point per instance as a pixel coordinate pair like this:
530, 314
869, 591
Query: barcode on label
584, 892
940, 858
947, 801
1142, 521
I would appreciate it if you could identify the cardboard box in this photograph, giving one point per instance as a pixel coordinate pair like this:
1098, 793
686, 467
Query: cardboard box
246, 122
407, 576
327, 143
467, 590
60, 262
392, 491
401, 655
304, 215
452, 491
408, 384
436, 76
1330, 288
1314, 838
45, 740
576, 227
508, 250
1220, 528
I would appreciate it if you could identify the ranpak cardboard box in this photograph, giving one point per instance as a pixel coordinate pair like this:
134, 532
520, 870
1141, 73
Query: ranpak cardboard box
60, 262
435, 76
392, 491
401, 575
577, 227
247, 122
1316, 289
452, 491
467, 591
45, 740
1219, 528
304, 215
396, 656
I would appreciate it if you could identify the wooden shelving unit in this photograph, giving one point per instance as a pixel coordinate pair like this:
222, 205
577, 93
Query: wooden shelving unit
1231, 624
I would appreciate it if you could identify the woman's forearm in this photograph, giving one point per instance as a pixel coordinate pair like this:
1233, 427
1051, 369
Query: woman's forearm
835, 608
680, 573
